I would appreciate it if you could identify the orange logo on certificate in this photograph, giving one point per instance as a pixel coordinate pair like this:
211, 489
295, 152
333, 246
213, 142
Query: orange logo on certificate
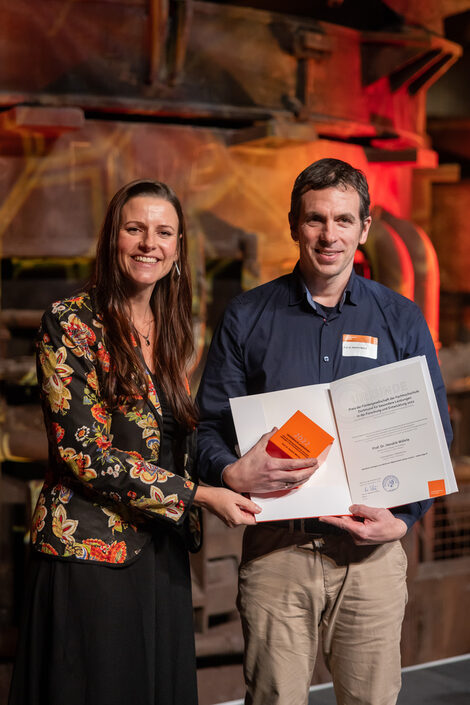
436, 488
359, 345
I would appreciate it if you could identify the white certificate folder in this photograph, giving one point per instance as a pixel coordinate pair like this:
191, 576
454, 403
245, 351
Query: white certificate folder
389, 447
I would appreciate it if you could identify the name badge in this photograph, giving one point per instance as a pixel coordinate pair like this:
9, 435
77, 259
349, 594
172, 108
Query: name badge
360, 346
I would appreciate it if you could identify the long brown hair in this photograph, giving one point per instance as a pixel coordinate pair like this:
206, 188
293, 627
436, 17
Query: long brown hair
171, 305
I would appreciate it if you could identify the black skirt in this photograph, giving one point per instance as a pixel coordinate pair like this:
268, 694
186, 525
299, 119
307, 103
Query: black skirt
99, 635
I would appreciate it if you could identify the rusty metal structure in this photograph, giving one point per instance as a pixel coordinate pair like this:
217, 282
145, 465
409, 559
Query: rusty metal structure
227, 102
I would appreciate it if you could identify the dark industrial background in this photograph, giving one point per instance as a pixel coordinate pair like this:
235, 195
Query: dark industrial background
228, 102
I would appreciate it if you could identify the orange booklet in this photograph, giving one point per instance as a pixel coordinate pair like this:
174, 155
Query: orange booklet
300, 437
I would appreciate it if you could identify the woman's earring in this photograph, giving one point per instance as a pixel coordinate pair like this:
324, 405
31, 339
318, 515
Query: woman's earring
177, 268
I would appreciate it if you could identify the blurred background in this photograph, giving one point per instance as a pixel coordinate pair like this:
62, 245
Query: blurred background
228, 102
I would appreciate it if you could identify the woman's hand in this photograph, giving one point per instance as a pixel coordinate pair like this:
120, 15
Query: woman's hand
232, 508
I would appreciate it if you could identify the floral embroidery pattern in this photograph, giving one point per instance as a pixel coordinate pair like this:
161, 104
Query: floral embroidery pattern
65, 494
58, 432
100, 551
103, 356
62, 527
151, 432
92, 380
79, 337
146, 472
115, 522
99, 413
166, 505
38, 517
79, 462
57, 377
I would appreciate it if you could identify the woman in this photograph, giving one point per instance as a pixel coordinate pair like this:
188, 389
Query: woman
108, 614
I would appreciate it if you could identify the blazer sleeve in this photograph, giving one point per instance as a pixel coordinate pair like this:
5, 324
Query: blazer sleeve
78, 424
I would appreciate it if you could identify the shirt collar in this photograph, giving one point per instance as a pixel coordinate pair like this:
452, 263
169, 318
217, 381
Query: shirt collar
296, 287
299, 291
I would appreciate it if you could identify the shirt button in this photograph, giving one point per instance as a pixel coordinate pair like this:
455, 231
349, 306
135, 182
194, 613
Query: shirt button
326, 358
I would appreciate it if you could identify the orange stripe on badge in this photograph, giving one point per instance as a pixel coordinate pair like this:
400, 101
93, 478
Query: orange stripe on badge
436, 488
350, 338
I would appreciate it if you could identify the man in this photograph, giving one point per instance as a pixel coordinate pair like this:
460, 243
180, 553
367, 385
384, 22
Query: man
347, 574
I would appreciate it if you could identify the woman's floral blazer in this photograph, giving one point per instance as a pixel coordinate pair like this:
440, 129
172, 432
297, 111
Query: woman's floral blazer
104, 491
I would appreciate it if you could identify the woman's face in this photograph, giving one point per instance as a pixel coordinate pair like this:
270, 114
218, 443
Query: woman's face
148, 241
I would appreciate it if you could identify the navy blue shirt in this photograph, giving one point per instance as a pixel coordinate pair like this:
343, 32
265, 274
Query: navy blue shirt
275, 337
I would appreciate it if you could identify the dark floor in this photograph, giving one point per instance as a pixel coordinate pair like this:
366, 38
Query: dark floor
444, 682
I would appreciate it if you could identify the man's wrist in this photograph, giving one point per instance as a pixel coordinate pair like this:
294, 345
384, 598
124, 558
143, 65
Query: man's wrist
225, 477
404, 527
232, 477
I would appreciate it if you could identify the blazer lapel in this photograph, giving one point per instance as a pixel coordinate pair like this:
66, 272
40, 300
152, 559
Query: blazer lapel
152, 401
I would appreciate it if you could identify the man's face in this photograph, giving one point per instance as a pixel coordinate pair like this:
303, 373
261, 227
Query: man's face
329, 231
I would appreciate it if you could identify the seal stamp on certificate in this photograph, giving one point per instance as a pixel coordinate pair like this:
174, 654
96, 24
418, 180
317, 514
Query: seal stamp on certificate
390, 483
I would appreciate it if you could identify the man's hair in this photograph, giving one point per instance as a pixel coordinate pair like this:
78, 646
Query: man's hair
326, 173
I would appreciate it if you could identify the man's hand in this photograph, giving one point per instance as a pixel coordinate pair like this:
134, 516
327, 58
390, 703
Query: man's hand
378, 525
257, 471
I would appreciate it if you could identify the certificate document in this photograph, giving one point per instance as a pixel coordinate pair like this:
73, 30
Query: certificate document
389, 446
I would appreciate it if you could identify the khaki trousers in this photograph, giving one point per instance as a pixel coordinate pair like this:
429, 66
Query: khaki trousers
356, 594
